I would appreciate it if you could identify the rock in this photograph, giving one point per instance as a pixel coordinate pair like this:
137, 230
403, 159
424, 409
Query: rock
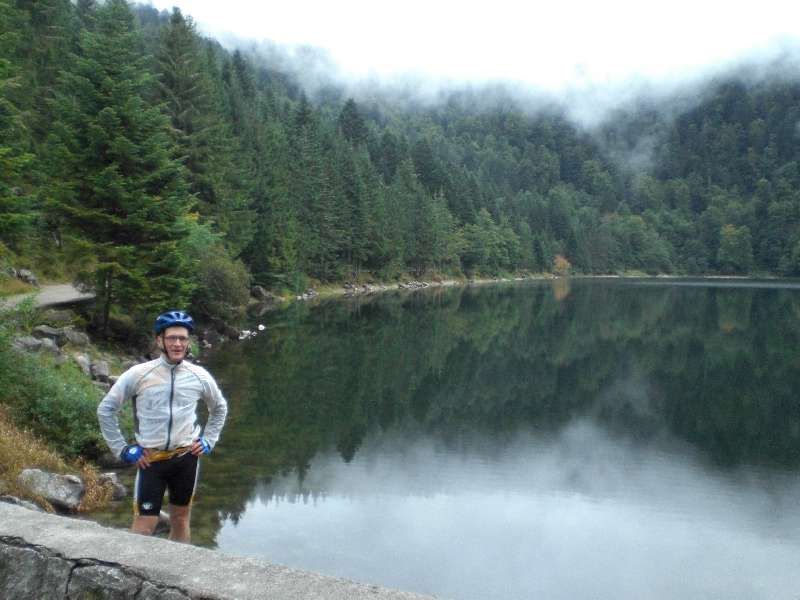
212, 336
45, 332
76, 338
27, 276
53, 316
259, 293
152, 592
26, 573
112, 379
100, 371
309, 294
49, 345
119, 490
103, 385
229, 331
102, 581
62, 491
23, 503
84, 363
27, 343
128, 364
163, 525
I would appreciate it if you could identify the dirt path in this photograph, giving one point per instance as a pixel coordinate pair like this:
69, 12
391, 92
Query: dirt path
49, 295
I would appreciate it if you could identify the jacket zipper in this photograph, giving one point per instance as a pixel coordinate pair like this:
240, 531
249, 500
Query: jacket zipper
171, 395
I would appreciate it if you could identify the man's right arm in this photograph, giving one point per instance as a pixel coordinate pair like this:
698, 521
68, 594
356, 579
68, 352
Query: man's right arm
108, 414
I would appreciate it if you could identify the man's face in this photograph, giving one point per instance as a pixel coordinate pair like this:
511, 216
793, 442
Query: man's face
174, 342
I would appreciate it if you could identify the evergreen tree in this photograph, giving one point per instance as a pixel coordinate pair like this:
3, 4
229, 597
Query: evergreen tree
120, 193
352, 124
202, 141
16, 212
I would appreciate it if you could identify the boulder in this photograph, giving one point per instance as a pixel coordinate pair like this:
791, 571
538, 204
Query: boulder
101, 371
27, 343
76, 338
27, 276
56, 317
50, 346
128, 364
23, 503
62, 491
45, 332
84, 363
119, 490
28, 573
102, 581
259, 293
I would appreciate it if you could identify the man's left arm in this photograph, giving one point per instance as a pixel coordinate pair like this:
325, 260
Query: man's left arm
217, 411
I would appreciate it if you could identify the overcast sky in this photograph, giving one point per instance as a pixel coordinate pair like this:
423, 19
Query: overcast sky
555, 44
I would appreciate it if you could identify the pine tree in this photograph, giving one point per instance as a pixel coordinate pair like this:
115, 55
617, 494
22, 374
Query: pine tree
352, 124
121, 195
16, 216
203, 142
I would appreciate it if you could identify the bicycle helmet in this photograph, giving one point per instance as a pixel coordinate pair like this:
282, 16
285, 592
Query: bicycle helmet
174, 318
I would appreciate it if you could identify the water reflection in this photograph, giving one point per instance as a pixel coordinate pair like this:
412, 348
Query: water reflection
576, 440
580, 515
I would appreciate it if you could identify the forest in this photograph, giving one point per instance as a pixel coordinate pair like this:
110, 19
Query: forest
159, 168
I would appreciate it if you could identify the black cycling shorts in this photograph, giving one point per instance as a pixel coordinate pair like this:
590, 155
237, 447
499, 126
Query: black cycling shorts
178, 475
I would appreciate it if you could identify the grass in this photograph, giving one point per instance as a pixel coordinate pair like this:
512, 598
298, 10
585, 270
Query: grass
11, 286
22, 449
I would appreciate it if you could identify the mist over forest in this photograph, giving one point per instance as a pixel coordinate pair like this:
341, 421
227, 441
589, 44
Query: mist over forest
162, 168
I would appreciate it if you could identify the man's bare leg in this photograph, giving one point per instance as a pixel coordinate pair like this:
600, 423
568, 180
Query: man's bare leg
144, 524
179, 530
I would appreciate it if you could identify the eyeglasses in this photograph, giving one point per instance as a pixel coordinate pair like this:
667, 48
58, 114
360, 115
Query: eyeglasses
176, 339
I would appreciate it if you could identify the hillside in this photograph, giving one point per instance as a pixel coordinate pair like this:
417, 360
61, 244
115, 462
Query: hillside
161, 169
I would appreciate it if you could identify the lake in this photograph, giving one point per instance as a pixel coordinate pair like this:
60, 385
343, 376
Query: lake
567, 439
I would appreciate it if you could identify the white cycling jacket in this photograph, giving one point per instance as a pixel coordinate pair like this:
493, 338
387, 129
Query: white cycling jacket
165, 397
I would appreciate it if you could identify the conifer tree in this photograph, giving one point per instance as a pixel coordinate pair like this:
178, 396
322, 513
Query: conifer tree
352, 124
203, 143
16, 216
121, 195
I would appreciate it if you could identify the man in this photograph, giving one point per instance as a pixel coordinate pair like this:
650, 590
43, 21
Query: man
169, 439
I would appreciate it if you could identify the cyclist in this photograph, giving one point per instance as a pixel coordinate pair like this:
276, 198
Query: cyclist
169, 439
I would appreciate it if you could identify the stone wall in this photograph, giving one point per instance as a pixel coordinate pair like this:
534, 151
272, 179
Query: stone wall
46, 557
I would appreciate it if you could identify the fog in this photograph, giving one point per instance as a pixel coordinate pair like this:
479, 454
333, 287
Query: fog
578, 514
591, 59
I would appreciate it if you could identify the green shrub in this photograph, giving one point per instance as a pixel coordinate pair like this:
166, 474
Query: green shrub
56, 402
222, 283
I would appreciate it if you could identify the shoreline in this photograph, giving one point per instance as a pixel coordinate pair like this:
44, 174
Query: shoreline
352, 290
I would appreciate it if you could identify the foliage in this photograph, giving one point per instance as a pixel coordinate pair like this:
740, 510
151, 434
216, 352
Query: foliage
561, 265
129, 127
223, 283
119, 190
21, 449
56, 402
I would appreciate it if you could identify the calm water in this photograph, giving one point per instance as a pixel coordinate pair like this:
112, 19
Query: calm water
555, 440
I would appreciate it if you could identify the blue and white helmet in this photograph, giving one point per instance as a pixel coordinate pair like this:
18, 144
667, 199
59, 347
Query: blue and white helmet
174, 318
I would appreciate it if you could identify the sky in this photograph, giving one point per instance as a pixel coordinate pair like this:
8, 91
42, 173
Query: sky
552, 45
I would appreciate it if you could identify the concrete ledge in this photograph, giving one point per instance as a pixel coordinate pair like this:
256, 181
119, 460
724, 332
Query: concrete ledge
47, 556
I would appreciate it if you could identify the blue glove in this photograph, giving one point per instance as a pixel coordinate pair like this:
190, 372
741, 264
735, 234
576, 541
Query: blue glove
206, 446
131, 454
